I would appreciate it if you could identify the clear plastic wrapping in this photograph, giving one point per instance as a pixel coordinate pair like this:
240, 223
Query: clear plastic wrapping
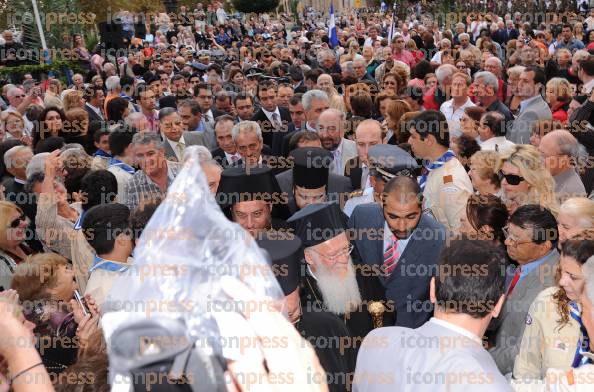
185, 249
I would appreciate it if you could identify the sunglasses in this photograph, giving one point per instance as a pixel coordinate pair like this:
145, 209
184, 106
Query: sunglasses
511, 179
16, 223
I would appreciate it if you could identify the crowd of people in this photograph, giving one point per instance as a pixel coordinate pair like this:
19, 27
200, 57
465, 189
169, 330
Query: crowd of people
423, 191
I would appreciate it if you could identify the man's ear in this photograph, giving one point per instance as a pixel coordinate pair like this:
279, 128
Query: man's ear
308, 253
432, 296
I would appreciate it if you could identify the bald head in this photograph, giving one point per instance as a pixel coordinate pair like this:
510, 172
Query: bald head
559, 148
367, 135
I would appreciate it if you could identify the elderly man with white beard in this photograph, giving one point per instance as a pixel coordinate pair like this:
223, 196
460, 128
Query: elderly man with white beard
334, 281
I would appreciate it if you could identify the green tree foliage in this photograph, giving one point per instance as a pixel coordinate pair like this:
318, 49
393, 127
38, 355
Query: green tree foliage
248, 6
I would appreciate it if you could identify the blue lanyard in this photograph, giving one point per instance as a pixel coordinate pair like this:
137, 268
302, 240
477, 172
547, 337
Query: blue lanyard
99, 263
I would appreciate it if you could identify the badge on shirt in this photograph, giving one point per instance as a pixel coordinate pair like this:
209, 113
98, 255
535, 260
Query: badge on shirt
447, 179
558, 344
528, 319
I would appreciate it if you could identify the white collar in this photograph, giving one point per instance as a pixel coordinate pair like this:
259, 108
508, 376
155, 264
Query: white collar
457, 329
22, 182
96, 109
269, 114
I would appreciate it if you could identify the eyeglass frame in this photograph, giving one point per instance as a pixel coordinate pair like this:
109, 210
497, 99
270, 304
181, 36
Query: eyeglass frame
505, 231
336, 256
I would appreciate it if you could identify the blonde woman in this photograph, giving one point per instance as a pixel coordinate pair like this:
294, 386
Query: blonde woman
525, 180
73, 99
12, 124
13, 248
483, 173
575, 215
558, 95
552, 337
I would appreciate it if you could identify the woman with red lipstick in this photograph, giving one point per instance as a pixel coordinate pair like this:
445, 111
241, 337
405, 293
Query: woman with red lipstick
552, 338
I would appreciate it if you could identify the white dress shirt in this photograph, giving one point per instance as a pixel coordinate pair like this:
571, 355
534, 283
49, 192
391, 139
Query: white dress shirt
453, 116
229, 157
179, 152
270, 116
498, 143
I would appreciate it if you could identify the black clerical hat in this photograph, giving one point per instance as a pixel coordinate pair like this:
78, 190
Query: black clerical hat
317, 223
285, 254
240, 184
311, 166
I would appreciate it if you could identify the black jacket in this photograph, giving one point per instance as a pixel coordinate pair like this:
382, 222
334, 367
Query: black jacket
271, 136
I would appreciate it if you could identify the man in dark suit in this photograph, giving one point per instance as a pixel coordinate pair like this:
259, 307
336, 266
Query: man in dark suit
247, 136
402, 245
273, 120
367, 134
297, 122
175, 140
226, 153
309, 181
94, 98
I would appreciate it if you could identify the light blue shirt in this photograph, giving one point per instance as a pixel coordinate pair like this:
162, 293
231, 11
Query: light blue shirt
528, 101
526, 269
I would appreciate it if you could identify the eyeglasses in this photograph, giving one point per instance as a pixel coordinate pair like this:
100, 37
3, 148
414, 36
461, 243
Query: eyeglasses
16, 223
512, 238
461, 66
511, 179
342, 253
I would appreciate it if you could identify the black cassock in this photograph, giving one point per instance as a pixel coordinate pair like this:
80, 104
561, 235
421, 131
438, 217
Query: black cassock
358, 323
327, 334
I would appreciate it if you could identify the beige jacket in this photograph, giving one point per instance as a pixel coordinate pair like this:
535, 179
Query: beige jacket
446, 192
544, 344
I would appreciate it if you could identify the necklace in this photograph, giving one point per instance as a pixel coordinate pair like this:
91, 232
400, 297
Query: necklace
321, 303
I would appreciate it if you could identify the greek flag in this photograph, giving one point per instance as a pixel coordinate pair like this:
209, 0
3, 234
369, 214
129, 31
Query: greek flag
332, 28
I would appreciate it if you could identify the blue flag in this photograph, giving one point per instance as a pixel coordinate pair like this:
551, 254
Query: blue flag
332, 28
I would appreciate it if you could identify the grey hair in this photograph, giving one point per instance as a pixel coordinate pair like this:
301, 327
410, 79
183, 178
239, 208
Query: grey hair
460, 25
464, 35
588, 270
8, 155
165, 112
246, 125
202, 152
348, 66
445, 71
489, 79
496, 59
112, 83
322, 54
213, 163
145, 138
339, 113
37, 164
133, 117
568, 145
309, 96
517, 70
12, 90
446, 42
